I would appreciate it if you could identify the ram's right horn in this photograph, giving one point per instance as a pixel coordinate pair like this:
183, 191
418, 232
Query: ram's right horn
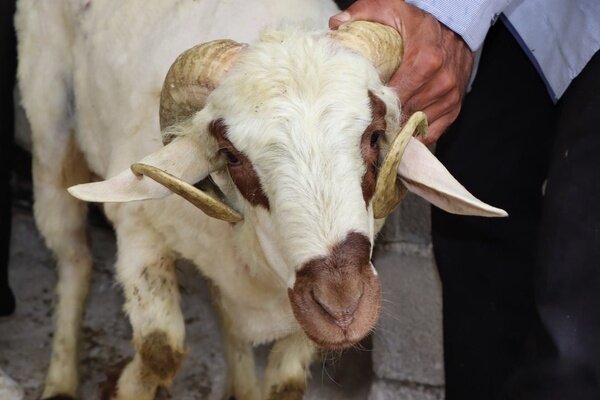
409, 165
183, 161
208, 204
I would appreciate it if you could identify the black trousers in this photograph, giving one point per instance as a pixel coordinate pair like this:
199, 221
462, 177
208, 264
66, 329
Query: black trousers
522, 294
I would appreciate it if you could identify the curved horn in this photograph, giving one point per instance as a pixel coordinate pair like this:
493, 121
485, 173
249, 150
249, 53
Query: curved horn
389, 192
380, 44
191, 78
211, 206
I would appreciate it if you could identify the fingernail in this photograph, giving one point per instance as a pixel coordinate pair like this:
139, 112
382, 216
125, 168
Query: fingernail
342, 17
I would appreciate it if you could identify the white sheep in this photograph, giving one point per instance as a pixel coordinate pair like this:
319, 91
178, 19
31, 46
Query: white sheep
292, 130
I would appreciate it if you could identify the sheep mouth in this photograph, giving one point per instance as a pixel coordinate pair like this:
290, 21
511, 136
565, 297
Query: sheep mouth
343, 327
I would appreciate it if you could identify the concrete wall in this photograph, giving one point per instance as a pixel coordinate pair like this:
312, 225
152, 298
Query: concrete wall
407, 354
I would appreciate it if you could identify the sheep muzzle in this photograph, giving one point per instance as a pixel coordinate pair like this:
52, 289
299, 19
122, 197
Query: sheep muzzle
336, 299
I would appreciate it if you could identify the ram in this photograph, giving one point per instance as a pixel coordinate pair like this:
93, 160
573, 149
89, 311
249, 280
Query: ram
289, 146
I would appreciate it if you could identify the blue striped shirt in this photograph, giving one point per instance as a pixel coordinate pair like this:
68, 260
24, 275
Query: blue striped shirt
560, 36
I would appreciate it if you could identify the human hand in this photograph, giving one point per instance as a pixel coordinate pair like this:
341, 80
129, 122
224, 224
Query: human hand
437, 63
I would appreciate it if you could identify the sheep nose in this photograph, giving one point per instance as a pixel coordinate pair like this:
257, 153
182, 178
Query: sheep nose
340, 305
336, 298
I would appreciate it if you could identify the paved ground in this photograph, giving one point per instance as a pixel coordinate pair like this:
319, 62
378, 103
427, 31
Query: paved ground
25, 337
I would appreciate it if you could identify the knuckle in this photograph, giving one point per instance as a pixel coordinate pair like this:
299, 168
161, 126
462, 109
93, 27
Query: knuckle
448, 81
410, 106
432, 135
455, 113
432, 59
454, 98
448, 119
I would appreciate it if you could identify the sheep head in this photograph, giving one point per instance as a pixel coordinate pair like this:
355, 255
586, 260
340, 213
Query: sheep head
294, 129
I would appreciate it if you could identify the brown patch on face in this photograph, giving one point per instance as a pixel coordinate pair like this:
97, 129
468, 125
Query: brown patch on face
158, 356
370, 147
336, 298
287, 391
240, 168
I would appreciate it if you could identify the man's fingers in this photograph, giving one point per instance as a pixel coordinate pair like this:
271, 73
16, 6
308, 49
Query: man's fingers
419, 68
433, 94
439, 116
445, 104
366, 10
439, 126
339, 19
405, 82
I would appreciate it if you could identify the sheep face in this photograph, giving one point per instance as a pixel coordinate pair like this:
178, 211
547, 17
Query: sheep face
300, 143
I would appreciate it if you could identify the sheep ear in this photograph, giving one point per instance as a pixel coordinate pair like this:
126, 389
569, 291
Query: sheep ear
183, 157
423, 174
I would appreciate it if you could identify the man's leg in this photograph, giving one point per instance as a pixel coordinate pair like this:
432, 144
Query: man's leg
568, 273
498, 148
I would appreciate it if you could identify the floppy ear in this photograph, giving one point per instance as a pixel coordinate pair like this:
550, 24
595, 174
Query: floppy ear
423, 174
409, 161
183, 158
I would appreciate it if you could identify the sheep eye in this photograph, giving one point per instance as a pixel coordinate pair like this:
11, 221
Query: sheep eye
231, 158
375, 137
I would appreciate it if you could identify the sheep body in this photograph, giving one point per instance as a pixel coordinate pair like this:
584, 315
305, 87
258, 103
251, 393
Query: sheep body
90, 74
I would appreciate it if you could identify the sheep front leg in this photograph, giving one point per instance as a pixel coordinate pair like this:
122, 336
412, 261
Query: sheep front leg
287, 369
146, 272
242, 383
62, 221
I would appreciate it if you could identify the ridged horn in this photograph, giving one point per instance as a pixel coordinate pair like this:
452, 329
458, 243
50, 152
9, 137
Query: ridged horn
380, 44
191, 78
208, 204
389, 191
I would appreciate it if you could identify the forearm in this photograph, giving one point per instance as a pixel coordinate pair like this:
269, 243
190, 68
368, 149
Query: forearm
471, 19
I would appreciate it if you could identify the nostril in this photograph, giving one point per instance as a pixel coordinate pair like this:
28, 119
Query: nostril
340, 308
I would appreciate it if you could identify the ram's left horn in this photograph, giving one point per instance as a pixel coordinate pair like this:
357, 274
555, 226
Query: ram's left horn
409, 165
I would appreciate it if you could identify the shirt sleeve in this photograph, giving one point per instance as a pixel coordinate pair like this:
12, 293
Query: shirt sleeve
471, 19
